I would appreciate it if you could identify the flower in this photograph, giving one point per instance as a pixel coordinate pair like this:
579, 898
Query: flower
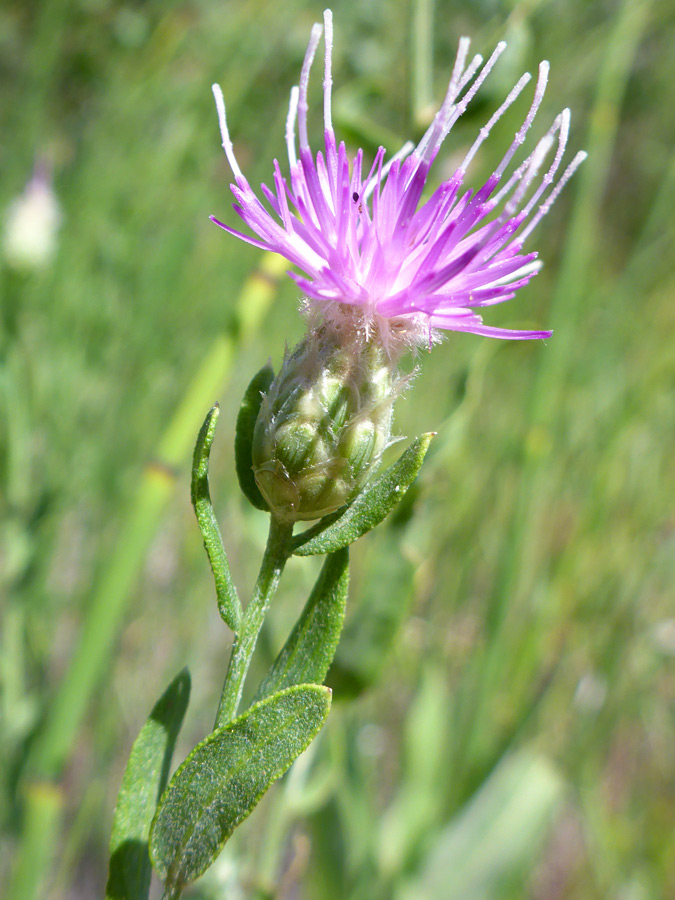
370, 247
32, 221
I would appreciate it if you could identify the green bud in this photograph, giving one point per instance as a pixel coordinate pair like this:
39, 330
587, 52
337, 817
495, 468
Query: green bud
323, 425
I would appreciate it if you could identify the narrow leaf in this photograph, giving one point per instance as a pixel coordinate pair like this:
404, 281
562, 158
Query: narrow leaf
226, 593
370, 507
144, 780
495, 837
309, 651
225, 776
243, 439
385, 596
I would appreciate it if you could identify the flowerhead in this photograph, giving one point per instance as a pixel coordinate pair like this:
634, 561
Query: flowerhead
374, 253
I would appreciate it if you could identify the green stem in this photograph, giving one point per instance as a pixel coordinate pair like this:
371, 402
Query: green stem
113, 591
42, 825
422, 54
274, 560
515, 569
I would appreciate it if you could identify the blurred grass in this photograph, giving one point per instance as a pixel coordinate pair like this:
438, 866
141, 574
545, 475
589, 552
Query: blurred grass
567, 529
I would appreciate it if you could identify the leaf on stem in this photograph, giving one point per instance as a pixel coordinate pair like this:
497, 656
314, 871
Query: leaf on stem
243, 437
385, 596
225, 776
228, 601
144, 780
369, 508
309, 651
494, 837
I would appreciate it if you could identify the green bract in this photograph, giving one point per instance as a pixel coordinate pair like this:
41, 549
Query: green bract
371, 506
323, 425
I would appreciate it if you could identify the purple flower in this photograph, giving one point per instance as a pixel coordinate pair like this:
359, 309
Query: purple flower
368, 243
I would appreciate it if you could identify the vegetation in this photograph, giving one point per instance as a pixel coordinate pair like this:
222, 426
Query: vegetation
502, 717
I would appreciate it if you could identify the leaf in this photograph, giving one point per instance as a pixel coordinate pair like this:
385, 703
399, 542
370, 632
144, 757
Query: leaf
309, 651
385, 596
144, 780
225, 776
418, 803
228, 601
495, 837
369, 508
243, 437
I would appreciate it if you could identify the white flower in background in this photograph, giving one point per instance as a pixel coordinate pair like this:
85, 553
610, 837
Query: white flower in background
591, 692
31, 224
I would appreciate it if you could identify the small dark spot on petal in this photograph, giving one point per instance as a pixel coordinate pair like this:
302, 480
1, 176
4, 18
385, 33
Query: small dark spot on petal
355, 197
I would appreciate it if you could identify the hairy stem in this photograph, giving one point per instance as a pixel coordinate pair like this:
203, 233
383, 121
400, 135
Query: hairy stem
274, 560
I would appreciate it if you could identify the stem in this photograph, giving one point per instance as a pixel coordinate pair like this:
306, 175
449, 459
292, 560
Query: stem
113, 591
274, 560
422, 58
172, 892
515, 571
42, 826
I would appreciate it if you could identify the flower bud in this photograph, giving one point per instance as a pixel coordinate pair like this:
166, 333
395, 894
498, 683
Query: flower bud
324, 424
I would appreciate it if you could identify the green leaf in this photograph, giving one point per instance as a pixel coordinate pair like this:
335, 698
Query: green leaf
385, 596
226, 593
225, 776
419, 801
309, 651
144, 780
369, 508
243, 438
495, 837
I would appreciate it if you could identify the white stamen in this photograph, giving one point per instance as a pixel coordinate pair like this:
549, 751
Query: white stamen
458, 81
563, 123
460, 59
536, 162
485, 71
533, 266
513, 180
327, 74
539, 92
471, 70
291, 119
303, 107
460, 107
224, 133
526, 174
545, 207
522, 168
486, 129
407, 148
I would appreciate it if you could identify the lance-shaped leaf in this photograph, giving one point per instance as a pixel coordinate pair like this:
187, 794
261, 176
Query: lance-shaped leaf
369, 508
494, 838
385, 596
309, 651
243, 437
226, 593
225, 776
145, 778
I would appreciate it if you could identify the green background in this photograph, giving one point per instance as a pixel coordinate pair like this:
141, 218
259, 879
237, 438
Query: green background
508, 665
